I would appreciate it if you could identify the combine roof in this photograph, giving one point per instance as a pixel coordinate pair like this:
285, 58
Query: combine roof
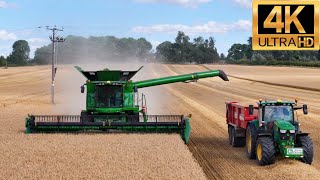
108, 75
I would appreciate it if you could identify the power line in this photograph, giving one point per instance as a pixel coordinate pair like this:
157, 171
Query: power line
54, 39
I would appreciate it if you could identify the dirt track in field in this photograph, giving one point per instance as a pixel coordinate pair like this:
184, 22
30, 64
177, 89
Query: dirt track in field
28, 91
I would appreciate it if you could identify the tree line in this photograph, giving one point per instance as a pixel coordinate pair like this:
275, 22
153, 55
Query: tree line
198, 51
243, 54
77, 49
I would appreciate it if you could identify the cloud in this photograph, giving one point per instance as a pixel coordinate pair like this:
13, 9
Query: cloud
184, 3
209, 27
4, 4
244, 3
5, 35
37, 40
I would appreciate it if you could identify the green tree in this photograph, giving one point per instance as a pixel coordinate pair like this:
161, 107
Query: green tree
2, 61
222, 56
143, 48
236, 52
182, 50
164, 51
43, 55
20, 53
77, 49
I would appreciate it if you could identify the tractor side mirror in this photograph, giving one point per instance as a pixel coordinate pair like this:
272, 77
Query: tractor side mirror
305, 109
251, 109
82, 89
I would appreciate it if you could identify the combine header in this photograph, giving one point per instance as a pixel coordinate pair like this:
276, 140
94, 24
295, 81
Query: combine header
112, 103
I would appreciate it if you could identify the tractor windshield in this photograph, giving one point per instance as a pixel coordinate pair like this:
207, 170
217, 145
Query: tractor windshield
272, 113
109, 96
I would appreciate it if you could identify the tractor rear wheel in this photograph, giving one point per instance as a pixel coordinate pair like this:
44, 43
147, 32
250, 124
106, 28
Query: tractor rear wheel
251, 142
306, 143
265, 151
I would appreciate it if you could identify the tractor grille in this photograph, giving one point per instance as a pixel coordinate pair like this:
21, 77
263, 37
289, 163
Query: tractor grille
287, 136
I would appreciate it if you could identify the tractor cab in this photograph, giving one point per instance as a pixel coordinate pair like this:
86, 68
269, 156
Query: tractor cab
277, 112
271, 111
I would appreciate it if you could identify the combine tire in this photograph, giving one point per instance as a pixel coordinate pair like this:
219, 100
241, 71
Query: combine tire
306, 143
265, 151
251, 142
233, 140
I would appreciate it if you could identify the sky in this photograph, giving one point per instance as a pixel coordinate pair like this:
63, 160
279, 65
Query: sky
228, 21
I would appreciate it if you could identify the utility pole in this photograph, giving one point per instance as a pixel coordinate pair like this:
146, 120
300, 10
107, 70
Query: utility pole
54, 39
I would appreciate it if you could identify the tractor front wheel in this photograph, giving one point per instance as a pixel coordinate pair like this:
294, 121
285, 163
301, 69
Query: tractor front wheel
306, 143
265, 151
251, 142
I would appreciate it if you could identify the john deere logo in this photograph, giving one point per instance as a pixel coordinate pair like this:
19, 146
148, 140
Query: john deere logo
285, 25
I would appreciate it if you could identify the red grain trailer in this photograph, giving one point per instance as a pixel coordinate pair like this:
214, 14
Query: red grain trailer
237, 117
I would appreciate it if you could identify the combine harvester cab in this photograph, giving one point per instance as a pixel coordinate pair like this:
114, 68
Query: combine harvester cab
270, 128
112, 103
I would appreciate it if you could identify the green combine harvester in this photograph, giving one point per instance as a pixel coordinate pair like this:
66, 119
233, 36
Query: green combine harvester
113, 104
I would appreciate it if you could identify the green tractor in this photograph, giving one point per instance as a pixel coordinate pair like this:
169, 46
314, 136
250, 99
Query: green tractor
113, 103
276, 131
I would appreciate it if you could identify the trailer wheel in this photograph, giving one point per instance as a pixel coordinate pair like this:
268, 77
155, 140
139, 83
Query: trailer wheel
235, 141
251, 142
265, 151
306, 143
230, 135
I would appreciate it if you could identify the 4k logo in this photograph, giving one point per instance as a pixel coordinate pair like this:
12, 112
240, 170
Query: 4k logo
285, 25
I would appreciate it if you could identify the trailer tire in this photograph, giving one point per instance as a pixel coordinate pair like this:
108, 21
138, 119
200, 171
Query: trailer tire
265, 151
251, 140
236, 141
306, 143
229, 134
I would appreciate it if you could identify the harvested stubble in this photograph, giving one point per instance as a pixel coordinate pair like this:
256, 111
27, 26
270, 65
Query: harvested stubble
112, 156
209, 137
78, 156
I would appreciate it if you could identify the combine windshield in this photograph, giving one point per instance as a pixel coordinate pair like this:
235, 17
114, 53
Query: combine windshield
109, 96
272, 113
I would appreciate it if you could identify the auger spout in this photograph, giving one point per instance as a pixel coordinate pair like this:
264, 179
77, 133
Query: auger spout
181, 78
